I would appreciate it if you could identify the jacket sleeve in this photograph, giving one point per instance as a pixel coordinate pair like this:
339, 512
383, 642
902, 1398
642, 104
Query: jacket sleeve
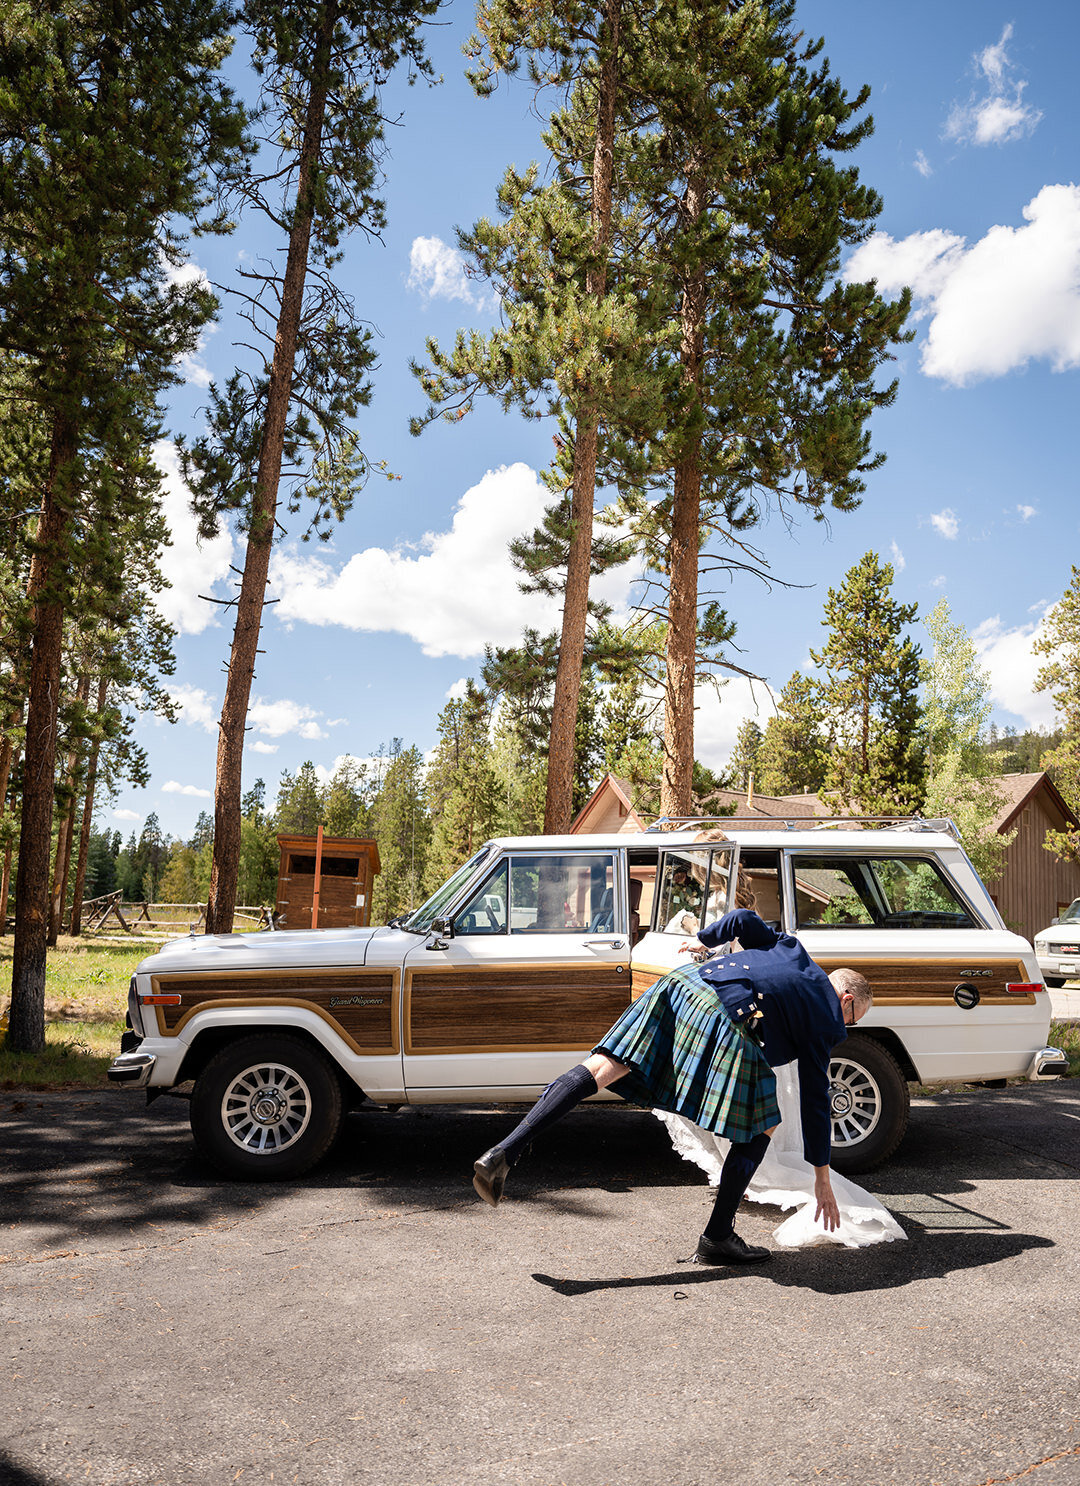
741, 924
814, 1105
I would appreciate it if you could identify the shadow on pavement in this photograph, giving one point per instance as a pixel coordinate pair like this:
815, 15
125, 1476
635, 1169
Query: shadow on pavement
832, 1271
14, 1474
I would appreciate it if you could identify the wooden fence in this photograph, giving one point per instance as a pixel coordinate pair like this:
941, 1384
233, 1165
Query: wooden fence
140, 917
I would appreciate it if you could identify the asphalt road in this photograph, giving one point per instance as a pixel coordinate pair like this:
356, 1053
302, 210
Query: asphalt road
375, 1323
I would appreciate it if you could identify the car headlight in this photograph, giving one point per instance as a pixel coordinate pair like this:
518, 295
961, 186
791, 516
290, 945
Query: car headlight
1041, 946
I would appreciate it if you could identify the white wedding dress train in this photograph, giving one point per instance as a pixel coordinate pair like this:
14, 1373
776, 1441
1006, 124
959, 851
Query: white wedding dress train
785, 1179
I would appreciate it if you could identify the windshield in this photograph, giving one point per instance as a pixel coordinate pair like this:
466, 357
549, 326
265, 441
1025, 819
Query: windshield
1072, 913
420, 921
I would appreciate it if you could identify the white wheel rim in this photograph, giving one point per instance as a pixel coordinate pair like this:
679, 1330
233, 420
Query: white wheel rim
266, 1109
855, 1099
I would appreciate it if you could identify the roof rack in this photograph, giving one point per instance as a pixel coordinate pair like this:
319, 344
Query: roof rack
911, 823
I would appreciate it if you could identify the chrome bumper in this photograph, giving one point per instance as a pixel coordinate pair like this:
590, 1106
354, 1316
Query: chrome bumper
1048, 1062
133, 1069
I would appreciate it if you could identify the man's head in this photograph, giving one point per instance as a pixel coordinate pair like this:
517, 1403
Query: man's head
856, 997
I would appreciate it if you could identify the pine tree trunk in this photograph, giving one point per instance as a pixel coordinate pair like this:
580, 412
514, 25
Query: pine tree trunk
681, 644
26, 1026
225, 871
9, 762
75, 927
558, 807
66, 833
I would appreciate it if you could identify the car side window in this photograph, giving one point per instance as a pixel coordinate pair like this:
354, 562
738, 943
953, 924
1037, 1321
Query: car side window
485, 912
569, 894
880, 892
694, 887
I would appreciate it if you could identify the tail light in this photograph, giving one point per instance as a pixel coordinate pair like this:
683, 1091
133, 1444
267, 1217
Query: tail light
1023, 987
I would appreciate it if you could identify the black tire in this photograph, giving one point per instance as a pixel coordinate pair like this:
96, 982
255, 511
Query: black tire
266, 1107
1054, 982
870, 1104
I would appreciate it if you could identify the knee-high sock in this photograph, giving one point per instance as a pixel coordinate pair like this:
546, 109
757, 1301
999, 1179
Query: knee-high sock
559, 1098
740, 1163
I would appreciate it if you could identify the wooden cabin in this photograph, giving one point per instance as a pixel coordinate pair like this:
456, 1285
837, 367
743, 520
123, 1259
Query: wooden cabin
345, 880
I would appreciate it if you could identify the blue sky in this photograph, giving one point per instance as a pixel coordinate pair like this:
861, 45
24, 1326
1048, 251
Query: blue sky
975, 155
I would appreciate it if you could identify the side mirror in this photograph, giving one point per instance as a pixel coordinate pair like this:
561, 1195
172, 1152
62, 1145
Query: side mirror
1055, 920
443, 931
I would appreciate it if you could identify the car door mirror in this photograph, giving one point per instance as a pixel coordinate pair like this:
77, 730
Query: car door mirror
1055, 920
442, 930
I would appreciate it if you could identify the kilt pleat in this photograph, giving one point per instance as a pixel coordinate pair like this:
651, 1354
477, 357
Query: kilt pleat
688, 1057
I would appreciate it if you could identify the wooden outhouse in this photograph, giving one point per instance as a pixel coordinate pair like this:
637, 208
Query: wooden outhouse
337, 870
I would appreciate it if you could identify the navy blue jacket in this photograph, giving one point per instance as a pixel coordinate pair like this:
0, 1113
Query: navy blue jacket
802, 1020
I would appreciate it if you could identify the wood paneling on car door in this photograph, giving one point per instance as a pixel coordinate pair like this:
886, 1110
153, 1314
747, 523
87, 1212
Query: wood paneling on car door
512, 1008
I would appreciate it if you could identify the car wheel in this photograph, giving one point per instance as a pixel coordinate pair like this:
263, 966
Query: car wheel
1054, 982
870, 1104
266, 1107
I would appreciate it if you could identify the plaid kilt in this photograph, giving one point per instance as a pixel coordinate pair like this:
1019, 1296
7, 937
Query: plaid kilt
688, 1057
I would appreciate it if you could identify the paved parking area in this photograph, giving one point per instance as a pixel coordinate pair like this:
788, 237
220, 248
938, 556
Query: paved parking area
376, 1324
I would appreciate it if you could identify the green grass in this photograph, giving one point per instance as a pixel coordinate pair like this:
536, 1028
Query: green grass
86, 986
1066, 1035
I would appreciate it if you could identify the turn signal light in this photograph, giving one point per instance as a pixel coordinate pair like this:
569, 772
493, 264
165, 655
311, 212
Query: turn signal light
1023, 987
160, 1000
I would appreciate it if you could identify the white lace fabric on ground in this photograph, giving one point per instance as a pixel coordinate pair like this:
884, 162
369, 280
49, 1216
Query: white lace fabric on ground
785, 1179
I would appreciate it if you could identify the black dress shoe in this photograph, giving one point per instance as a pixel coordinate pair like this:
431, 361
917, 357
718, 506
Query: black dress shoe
731, 1250
490, 1174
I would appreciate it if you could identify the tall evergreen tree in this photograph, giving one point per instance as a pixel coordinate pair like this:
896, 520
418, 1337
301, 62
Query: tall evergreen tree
110, 116
1059, 642
743, 764
322, 63
403, 831
870, 695
792, 754
777, 359
461, 787
961, 782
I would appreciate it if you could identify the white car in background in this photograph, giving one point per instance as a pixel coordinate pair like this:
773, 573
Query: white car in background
1058, 948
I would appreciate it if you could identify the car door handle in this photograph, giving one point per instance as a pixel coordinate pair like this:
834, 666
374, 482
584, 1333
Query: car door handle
605, 944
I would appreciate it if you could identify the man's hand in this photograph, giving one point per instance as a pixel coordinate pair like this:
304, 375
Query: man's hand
827, 1210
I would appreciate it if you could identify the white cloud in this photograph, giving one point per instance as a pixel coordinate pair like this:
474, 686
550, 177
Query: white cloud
1007, 655
1011, 298
190, 566
197, 707
1000, 114
453, 592
946, 524
718, 716
938, 582
372, 764
173, 788
260, 747
1026, 512
126, 815
437, 271
922, 165
458, 690
284, 716
899, 560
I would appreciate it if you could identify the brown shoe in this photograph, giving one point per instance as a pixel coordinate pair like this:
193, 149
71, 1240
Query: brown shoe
490, 1175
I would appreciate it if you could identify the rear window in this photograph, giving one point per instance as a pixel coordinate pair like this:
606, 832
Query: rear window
875, 892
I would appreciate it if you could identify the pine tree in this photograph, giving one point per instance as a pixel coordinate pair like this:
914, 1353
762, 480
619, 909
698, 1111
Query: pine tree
322, 63
403, 831
1059, 641
110, 117
962, 773
301, 802
792, 754
743, 764
776, 358
461, 788
869, 695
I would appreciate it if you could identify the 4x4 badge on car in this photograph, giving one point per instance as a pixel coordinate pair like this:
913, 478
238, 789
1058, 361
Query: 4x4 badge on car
973, 973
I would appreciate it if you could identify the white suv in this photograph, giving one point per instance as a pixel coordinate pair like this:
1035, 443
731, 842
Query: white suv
521, 962
1058, 947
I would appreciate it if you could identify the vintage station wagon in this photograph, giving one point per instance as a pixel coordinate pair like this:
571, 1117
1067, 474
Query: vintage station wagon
519, 963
